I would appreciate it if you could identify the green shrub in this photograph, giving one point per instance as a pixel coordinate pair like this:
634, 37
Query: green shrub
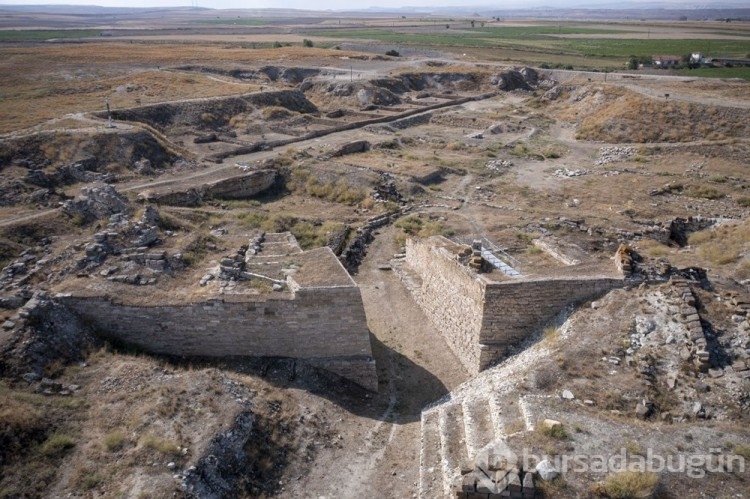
557, 431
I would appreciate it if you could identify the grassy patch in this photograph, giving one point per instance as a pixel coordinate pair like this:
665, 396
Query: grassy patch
114, 441
338, 191
723, 245
557, 432
628, 485
161, 445
57, 444
738, 72
704, 191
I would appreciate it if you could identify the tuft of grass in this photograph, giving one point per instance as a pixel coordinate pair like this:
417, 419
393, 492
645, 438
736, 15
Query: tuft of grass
557, 432
114, 441
557, 487
550, 332
705, 192
628, 485
161, 445
56, 444
275, 113
633, 448
742, 450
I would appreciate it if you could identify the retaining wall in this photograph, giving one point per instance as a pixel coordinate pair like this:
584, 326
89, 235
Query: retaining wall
324, 326
483, 320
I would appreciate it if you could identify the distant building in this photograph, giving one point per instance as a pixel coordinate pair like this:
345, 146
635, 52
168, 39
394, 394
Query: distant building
696, 58
665, 61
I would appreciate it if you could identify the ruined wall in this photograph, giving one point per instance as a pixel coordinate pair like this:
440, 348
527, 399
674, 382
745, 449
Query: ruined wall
325, 326
481, 320
451, 298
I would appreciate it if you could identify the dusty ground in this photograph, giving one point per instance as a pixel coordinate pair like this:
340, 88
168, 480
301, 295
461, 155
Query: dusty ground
509, 166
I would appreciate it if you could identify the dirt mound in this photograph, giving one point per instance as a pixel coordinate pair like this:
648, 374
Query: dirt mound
361, 94
213, 114
54, 151
617, 115
442, 81
291, 75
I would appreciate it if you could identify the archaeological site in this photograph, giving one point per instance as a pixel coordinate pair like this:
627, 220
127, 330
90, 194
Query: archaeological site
377, 253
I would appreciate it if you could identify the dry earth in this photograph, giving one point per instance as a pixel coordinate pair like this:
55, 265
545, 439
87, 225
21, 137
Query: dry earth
582, 163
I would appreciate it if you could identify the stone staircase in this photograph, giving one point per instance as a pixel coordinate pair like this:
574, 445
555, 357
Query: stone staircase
454, 432
484, 409
499, 264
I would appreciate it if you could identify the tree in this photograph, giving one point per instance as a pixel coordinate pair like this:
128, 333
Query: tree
307, 43
633, 62
472, 24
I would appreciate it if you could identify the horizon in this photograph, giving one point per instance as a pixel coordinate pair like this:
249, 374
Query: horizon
395, 5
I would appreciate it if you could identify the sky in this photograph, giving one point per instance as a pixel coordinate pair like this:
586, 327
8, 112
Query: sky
350, 4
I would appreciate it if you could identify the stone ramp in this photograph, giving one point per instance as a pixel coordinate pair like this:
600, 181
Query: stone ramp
430, 461
478, 425
452, 443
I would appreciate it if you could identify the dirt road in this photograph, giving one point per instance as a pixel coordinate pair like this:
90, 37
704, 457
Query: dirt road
379, 455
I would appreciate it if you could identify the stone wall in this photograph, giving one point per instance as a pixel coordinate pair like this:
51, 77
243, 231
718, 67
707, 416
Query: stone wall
483, 319
451, 297
325, 326
515, 309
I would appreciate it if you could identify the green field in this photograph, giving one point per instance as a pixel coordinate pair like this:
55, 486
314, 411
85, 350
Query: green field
234, 21
44, 34
546, 39
740, 72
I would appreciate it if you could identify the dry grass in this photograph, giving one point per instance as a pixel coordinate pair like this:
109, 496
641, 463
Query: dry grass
42, 82
617, 115
628, 485
653, 248
162, 445
338, 191
114, 441
724, 245
57, 444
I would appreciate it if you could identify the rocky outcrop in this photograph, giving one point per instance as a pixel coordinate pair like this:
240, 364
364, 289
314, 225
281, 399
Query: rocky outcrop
515, 80
96, 203
225, 467
44, 332
241, 186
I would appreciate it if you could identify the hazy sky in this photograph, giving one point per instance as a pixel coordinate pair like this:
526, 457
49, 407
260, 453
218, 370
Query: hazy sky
350, 4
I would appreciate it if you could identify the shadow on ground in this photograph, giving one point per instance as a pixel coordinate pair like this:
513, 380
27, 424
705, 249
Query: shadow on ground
406, 385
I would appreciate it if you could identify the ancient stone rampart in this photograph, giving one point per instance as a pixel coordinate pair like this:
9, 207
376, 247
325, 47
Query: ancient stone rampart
324, 325
481, 319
